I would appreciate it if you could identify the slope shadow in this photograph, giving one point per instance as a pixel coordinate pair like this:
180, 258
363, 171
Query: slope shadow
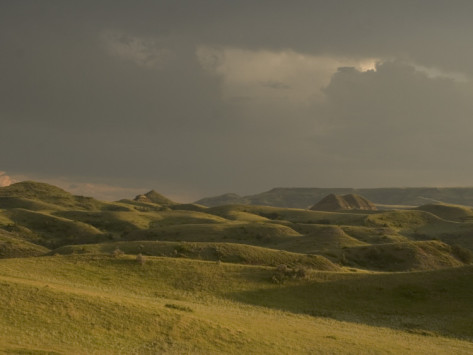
427, 303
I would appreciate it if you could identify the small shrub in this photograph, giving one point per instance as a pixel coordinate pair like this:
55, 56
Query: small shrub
283, 273
117, 253
140, 259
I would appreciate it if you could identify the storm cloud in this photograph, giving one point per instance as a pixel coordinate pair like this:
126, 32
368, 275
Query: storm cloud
206, 97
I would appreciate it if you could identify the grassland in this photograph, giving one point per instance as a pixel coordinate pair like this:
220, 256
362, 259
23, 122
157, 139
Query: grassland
230, 279
83, 304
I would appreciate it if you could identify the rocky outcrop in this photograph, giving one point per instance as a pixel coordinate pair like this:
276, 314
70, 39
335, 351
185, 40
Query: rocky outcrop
334, 202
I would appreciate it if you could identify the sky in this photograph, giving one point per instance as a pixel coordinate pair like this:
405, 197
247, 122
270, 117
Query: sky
198, 98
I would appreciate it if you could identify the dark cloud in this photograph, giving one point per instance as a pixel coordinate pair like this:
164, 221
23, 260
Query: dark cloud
398, 117
116, 90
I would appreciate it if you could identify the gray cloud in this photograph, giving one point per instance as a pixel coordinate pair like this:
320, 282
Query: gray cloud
277, 85
398, 117
201, 98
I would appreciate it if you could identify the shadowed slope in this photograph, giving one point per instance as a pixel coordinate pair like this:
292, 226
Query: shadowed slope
422, 255
13, 247
53, 231
103, 304
427, 302
450, 212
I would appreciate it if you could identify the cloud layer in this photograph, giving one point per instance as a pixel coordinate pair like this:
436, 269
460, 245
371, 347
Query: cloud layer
199, 100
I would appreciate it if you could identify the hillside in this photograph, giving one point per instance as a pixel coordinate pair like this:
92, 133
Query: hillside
154, 197
450, 212
221, 252
153, 276
306, 197
13, 247
52, 218
103, 305
407, 256
41, 196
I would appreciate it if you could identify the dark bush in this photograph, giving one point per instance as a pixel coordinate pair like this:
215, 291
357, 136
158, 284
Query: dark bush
283, 273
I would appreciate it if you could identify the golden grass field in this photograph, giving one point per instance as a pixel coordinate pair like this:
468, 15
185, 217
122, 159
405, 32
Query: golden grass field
80, 276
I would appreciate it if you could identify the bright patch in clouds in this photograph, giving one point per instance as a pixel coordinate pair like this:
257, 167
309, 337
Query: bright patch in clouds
274, 76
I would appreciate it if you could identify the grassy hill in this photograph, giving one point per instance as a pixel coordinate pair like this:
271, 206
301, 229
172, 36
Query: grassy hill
230, 279
45, 196
407, 256
85, 304
449, 212
222, 252
13, 247
154, 197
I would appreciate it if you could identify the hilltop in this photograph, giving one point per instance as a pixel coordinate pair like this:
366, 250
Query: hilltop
41, 196
154, 197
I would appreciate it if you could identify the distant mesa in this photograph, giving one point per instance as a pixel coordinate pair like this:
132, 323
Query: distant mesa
154, 197
334, 202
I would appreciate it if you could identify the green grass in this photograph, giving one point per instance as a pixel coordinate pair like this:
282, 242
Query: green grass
435, 302
249, 233
450, 212
41, 196
370, 235
54, 231
111, 221
13, 247
84, 304
225, 252
26, 203
407, 256
230, 279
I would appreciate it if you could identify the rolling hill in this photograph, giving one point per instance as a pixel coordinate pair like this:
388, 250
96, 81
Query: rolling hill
306, 197
148, 275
